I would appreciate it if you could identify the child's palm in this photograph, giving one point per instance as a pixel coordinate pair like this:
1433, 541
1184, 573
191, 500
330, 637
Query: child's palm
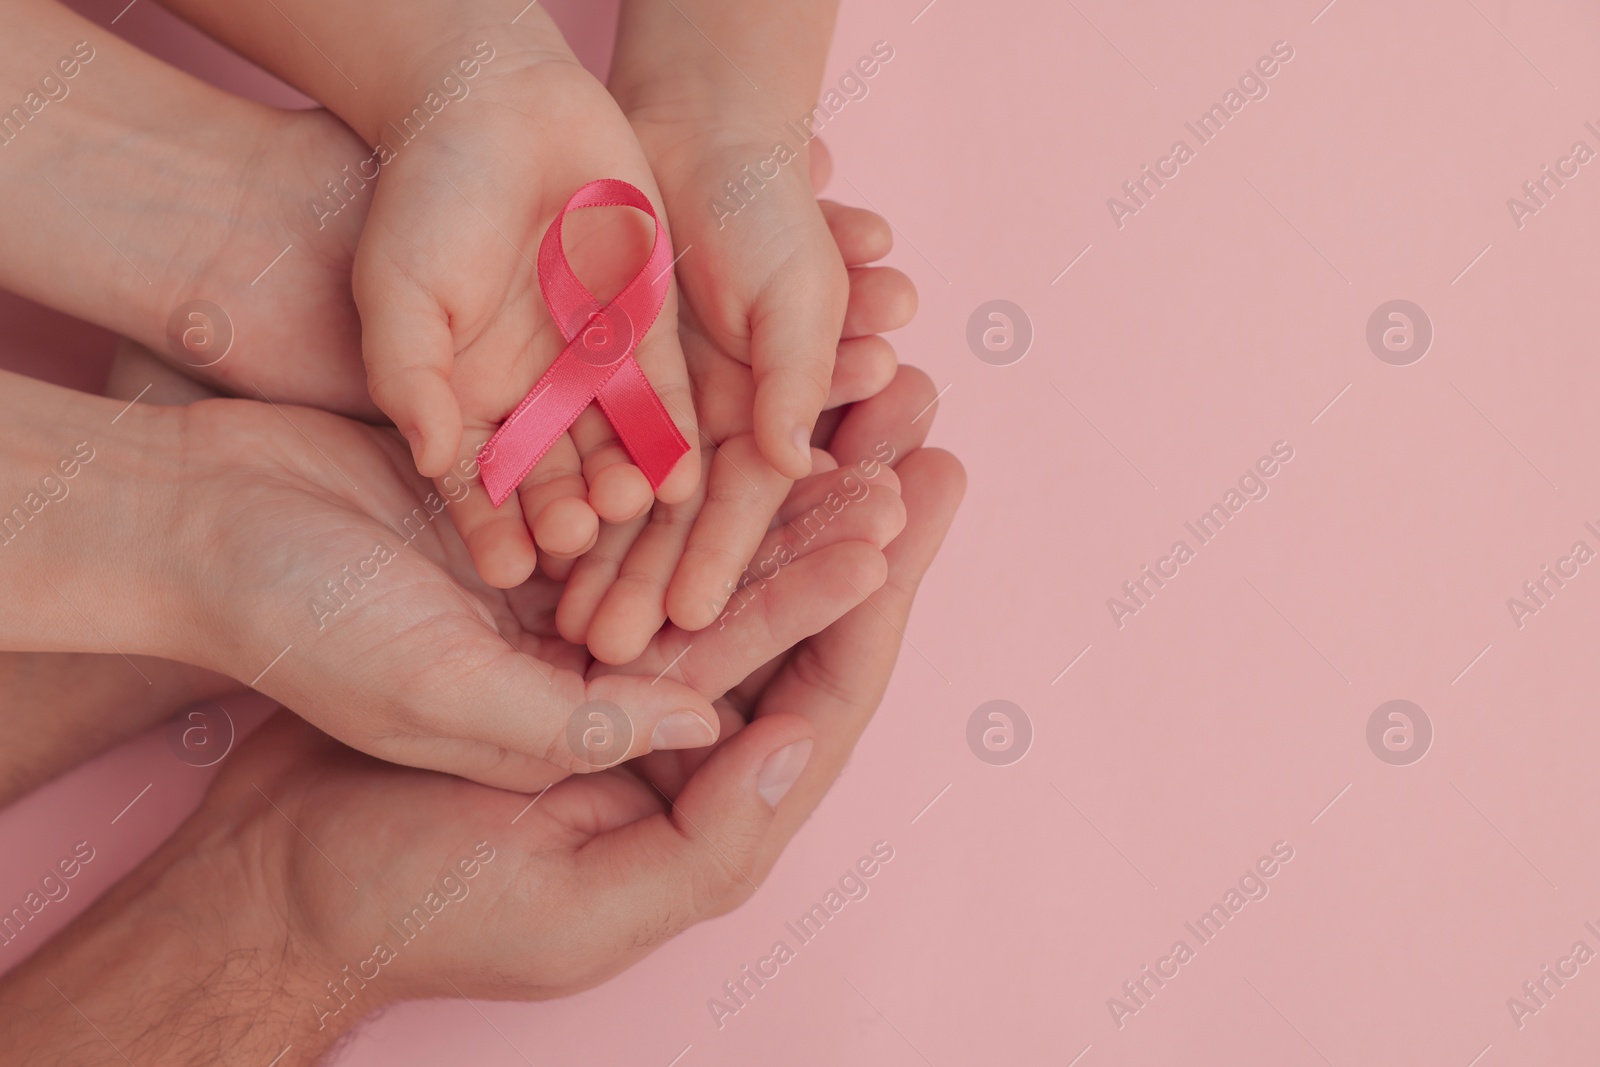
455, 328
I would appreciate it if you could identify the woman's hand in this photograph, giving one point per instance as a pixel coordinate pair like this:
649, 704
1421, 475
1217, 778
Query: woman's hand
332, 582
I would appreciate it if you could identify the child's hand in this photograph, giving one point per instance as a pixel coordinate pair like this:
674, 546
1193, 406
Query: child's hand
779, 321
455, 329
683, 560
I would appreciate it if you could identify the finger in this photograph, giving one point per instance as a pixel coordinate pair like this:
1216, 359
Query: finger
889, 425
795, 327
667, 772
594, 574
618, 490
624, 577
559, 570
645, 882
633, 608
409, 352
498, 539
520, 723
836, 679
743, 492
801, 600
555, 502
814, 518
862, 236
881, 299
821, 165
863, 368
834, 493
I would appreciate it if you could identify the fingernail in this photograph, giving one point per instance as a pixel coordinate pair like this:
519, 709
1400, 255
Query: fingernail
414, 437
782, 770
681, 729
801, 436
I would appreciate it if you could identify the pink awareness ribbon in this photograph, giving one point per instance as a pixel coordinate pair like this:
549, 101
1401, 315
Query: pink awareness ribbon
598, 362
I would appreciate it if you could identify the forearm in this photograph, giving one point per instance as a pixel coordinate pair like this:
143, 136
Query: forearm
86, 490
766, 57
371, 62
182, 963
92, 132
63, 708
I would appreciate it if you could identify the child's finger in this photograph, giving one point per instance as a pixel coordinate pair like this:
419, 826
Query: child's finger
497, 538
862, 236
722, 562
743, 492
615, 600
409, 352
881, 299
592, 575
618, 490
632, 610
794, 330
555, 502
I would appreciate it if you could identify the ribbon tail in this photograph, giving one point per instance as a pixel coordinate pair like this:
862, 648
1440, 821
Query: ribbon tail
642, 423
550, 407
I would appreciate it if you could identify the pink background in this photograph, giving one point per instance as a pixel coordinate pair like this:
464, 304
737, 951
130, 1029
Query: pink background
1229, 712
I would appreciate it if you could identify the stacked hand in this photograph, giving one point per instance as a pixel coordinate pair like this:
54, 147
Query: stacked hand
538, 901
659, 666
391, 643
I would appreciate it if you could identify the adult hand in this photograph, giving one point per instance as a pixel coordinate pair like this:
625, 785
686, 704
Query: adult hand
148, 190
352, 857
325, 578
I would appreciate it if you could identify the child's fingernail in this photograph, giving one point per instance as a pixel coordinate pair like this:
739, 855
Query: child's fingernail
681, 729
802, 441
414, 438
782, 770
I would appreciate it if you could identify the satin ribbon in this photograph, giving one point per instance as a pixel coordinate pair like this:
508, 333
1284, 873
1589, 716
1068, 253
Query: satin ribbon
598, 362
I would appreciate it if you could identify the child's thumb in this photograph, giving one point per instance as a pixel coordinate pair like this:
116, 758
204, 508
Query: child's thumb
410, 352
795, 326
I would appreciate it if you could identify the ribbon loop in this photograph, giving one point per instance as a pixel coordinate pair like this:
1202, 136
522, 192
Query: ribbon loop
598, 363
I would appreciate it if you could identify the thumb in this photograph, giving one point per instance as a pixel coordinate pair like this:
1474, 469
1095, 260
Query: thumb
708, 850
795, 325
410, 352
523, 724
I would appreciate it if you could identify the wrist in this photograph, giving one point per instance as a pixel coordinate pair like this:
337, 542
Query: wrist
86, 518
169, 139
187, 960
765, 64
448, 59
